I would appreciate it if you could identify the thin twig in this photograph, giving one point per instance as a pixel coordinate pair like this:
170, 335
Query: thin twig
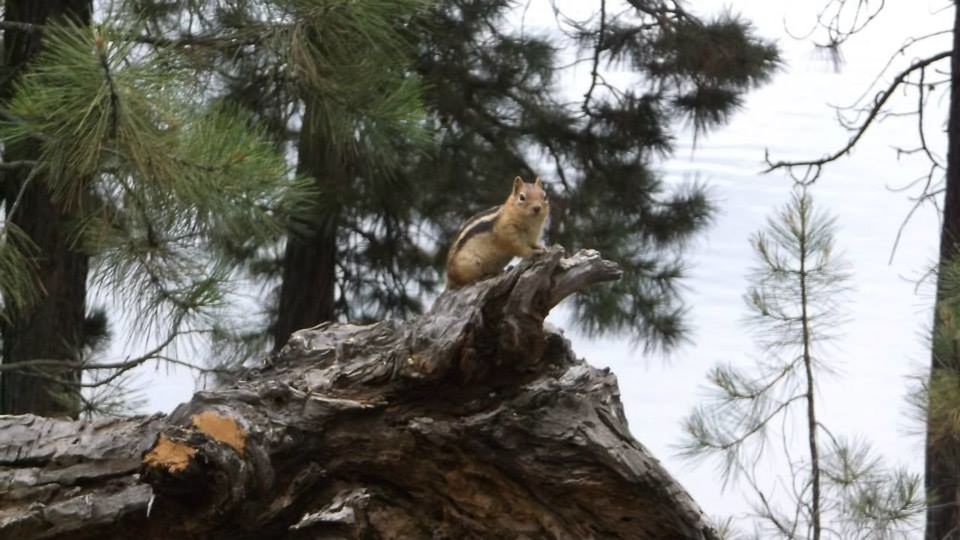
925, 195
30, 28
598, 48
23, 189
108, 76
18, 164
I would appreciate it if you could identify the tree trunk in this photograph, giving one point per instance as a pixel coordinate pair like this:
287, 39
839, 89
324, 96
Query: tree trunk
942, 476
53, 327
471, 422
308, 290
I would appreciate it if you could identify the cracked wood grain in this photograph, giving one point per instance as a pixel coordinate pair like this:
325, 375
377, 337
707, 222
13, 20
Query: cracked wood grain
472, 421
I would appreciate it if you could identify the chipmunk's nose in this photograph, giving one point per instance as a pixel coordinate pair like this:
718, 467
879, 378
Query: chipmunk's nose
536, 208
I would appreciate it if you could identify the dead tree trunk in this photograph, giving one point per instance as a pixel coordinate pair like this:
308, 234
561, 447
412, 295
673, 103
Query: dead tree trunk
471, 422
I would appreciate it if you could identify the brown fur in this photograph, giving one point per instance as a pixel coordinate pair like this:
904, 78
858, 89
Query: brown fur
480, 250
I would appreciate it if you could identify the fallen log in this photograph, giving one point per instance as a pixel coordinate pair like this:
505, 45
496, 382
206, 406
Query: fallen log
471, 421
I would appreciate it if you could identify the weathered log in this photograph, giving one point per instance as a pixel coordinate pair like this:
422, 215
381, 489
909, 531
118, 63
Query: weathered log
472, 421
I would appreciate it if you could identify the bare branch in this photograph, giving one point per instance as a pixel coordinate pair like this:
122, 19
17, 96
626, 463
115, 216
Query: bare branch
925, 196
239, 39
829, 19
598, 48
813, 167
42, 367
895, 55
920, 107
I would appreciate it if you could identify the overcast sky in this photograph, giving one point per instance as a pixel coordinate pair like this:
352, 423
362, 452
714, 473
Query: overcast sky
884, 342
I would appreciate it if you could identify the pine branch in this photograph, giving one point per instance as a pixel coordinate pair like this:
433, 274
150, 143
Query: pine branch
41, 367
798, 272
666, 13
753, 430
18, 164
30, 28
111, 87
12, 209
768, 511
186, 40
213, 41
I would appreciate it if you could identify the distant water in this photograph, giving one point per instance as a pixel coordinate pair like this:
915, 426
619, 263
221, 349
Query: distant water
885, 341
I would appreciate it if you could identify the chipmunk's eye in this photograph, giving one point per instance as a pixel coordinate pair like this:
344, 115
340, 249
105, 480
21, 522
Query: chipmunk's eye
523, 197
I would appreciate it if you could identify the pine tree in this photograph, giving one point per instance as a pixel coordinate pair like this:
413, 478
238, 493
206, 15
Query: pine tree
497, 110
333, 84
407, 117
155, 186
493, 109
839, 488
495, 102
917, 82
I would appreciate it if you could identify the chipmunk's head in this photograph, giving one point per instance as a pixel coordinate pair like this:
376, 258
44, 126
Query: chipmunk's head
529, 197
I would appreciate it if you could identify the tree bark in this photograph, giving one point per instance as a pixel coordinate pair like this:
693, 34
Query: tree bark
942, 476
471, 422
308, 290
53, 327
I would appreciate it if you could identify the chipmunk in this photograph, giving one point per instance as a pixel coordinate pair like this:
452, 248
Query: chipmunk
488, 240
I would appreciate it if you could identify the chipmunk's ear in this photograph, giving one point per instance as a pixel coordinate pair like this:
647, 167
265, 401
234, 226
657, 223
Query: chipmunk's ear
517, 184
538, 183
